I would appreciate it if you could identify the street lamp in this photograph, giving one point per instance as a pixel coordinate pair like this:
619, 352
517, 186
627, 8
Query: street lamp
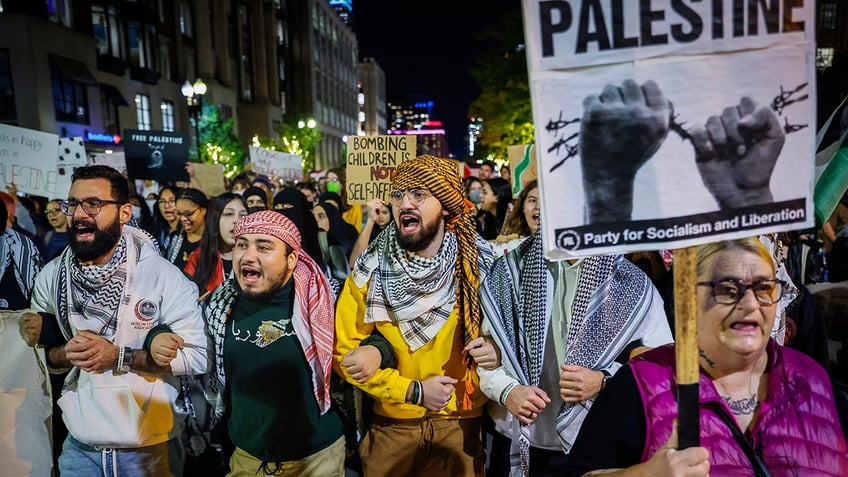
194, 99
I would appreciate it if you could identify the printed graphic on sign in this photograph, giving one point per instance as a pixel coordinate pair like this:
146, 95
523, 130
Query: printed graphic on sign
667, 124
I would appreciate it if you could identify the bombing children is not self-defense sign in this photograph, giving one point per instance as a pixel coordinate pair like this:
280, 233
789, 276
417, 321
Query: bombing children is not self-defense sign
370, 162
664, 124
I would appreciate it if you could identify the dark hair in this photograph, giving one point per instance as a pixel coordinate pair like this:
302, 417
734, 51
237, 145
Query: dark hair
468, 181
516, 223
146, 219
342, 175
503, 191
210, 242
490, 164
161, 225
195, 195
120, 189
4, 216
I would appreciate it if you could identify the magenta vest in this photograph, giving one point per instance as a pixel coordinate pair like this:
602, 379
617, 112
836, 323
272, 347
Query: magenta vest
797, 432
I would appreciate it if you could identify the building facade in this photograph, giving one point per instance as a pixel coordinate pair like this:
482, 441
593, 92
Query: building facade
94, 68
371, 98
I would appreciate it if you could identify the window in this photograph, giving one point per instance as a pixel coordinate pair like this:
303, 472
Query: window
140, 44
109, 110
8, 113
245, 54
167, 115
165, 58
827, 16
59, 11
70, 97
824, 58
186, 26
108, 31
142, 111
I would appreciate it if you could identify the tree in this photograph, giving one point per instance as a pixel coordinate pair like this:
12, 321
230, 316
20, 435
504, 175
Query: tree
220, 145
298, 134
504, 100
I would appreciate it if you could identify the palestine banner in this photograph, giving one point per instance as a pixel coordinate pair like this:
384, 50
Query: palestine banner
666, 124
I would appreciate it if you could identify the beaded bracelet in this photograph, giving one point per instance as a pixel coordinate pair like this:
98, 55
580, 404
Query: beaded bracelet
506, 392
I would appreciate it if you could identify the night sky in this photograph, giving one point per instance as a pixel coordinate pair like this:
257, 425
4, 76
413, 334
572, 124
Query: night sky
427, 47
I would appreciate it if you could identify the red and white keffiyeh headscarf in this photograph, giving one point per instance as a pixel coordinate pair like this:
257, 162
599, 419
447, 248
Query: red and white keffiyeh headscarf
314, 324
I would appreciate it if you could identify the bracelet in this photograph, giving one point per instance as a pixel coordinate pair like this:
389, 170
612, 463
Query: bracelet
506, 392
420, 393
415, 391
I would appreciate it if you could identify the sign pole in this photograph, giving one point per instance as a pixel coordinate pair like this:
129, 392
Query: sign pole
686, 346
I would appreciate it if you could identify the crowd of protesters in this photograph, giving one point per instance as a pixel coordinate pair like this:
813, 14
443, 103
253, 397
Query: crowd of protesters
277, 329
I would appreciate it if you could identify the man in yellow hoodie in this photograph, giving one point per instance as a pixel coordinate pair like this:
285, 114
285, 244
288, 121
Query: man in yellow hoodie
417, 285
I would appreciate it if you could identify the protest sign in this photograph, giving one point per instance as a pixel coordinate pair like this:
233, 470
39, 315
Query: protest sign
28, 160
288, 167
210, 178
370, 162
115, 160
666, 124
158, 155
522, 163
71, 156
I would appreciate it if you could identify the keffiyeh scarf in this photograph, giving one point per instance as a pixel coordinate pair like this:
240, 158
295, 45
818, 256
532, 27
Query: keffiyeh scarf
609, 303
20, 253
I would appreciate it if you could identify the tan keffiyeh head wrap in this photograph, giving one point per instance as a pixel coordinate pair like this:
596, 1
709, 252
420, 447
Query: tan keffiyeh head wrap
315, 322
441, 178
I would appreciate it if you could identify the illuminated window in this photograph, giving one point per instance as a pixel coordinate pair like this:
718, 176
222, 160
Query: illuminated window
827, 16
108, 31
167, 115
824, 58
142, 111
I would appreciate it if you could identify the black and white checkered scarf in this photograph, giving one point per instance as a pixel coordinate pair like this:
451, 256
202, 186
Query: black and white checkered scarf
95, 292
20, 253
608, 307
415, 292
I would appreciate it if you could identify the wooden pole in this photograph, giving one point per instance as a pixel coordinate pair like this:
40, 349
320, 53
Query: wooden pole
686, 346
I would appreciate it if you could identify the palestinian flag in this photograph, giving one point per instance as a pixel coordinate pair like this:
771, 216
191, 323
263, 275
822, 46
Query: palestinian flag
831, 163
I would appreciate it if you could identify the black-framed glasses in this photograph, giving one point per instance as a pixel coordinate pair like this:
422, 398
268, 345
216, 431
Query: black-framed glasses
730, 291
416, 196
186, 215
167, 201
89, 206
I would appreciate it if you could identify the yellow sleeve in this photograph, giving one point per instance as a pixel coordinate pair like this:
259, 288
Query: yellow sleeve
353, 216
351, 329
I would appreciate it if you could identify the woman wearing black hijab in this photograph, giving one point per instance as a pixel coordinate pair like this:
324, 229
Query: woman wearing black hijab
294, 205
336, 238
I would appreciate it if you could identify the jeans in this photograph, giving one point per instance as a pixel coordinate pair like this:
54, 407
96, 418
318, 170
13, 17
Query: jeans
165, 459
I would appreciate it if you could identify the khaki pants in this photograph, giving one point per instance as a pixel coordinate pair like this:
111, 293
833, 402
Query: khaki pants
328, 462
425, 447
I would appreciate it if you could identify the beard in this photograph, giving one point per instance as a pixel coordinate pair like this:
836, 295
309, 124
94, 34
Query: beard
420, 240
103, 241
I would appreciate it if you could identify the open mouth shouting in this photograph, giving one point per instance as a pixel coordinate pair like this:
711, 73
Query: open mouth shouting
84, 231
746, 326
410, 222
250, 275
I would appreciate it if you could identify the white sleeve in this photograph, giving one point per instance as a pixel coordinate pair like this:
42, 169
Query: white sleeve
655, 331
494, 381
181, 312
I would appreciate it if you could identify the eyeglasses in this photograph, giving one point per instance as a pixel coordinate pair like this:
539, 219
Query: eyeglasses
730, 291
186, 215
53, 211
416, 196
89, 206
167, 201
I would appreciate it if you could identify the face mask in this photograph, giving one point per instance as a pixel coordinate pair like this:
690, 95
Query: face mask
334, 187
258, 208
474, 196
136, 213
151, 204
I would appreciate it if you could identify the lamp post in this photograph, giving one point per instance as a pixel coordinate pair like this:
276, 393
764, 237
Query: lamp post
194, 99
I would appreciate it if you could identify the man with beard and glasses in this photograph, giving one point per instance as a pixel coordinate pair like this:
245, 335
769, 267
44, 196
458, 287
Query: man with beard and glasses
95, 305
273, 329
416, 285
